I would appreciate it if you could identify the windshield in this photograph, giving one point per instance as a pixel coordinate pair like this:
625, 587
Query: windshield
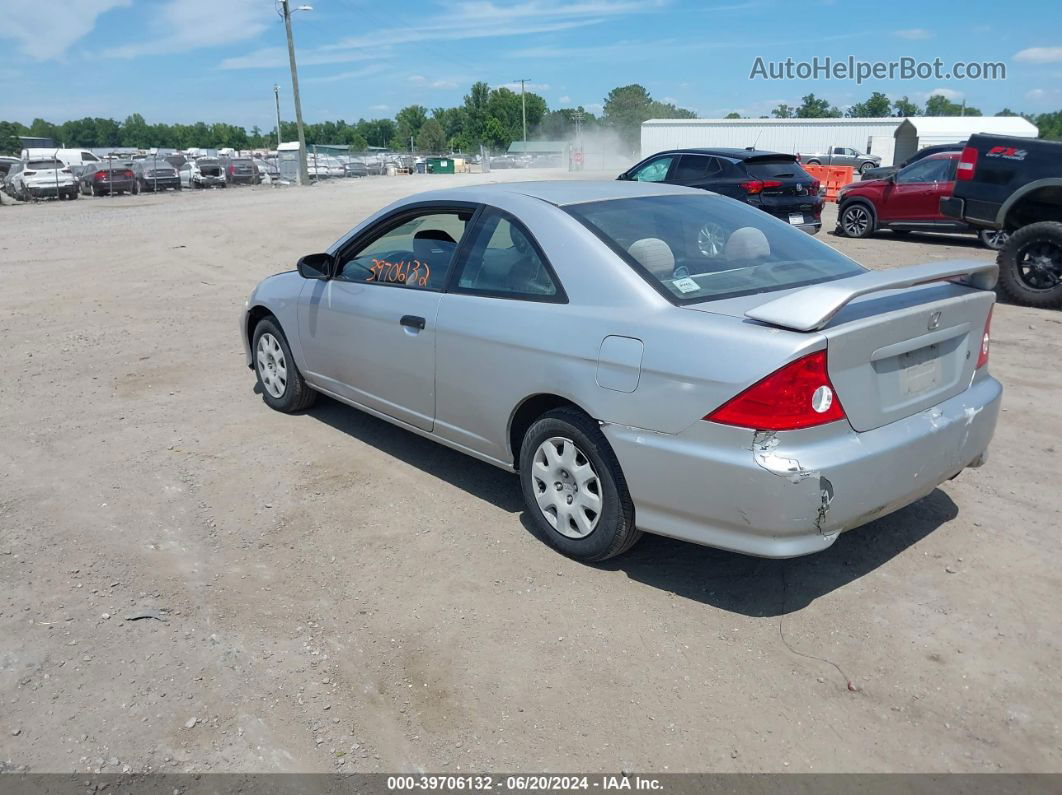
773, 169
41, 165
700, 248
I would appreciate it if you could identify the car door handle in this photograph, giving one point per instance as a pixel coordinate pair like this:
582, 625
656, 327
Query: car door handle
413, 321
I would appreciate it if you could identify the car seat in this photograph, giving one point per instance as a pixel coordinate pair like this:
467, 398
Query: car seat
654, 255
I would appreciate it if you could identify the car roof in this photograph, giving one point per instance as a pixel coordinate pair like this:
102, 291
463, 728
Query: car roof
558, 192
731, 152
953, 155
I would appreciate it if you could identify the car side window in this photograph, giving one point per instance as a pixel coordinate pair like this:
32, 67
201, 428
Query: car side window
925, 171
415, 253
653, 171
503, 262
693, 168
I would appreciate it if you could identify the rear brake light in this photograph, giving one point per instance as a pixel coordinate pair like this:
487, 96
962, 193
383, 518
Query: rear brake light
752, 186
813, 188
967, 164
29, 173
799, 395
982, 357
100, 175
232, 169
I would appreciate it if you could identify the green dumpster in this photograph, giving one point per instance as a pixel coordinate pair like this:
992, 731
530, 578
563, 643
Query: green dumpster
440, 165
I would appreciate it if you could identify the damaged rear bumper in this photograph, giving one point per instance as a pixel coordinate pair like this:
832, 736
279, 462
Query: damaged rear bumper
781, 495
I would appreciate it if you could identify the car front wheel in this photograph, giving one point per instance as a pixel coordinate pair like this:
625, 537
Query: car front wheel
863, 169
283, 387
994, 239
574, 489
857, 220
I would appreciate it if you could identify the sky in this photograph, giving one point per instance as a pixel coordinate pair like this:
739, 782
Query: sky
217, 60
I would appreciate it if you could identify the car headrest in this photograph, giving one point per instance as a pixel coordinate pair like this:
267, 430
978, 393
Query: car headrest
654, 255
746, 243
432, 241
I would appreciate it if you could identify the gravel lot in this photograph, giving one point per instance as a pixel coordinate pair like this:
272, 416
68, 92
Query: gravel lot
341, 594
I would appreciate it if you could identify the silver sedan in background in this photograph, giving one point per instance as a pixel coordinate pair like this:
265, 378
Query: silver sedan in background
645, 357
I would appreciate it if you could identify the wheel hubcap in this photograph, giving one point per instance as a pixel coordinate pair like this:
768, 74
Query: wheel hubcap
272, 366
856, 221
1040, 266
711, 239
566, 487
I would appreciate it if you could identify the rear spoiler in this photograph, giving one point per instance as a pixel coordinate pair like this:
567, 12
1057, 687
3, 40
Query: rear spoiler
813, 307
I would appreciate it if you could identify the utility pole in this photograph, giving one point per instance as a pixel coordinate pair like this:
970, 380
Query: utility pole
276, 96
523, 104
285, 12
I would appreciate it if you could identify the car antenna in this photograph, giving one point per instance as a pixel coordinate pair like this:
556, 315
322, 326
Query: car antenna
754, 143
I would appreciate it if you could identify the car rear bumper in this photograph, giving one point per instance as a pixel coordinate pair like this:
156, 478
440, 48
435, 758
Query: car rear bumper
781, 495
44, 191
150, 183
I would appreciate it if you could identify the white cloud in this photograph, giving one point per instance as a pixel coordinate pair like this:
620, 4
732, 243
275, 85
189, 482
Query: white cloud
421, 80
913, 34
182, 25
379, 107
1040, 55
528, 86
43, 33
948, 93
461, 22
565, 100
365, 71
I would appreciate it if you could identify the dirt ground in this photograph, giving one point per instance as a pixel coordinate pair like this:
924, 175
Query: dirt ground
341, 594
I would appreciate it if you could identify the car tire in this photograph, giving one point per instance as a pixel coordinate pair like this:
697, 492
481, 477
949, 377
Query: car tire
813, 163
1030, 265
136, 188
283, 387
863, 169
856, 220
72, 194
994, 239
553, 481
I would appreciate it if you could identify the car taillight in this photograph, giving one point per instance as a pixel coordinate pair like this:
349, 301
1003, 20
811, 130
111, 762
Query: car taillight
967, 164
29, 173
232, 170
982, 357
100, 175
813, 188
757, 185
799, 395
127, 173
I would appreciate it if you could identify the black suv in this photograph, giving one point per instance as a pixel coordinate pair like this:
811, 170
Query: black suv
774, 182
1015, 185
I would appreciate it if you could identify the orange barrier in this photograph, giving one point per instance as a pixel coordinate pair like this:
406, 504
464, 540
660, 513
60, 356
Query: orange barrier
833, 178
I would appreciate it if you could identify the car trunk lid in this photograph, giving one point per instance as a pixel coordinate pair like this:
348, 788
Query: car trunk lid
898, 341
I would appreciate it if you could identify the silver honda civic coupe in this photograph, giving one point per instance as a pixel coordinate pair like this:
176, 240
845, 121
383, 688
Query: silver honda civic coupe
645, 357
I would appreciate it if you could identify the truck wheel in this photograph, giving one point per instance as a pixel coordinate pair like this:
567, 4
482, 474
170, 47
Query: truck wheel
994, 239
1030, 265
813, 163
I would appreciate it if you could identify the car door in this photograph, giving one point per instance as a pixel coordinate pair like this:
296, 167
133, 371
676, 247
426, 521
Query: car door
497, 333
706, 172
914, 193
368, 333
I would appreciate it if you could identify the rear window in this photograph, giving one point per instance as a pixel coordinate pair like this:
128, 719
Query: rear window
775, 169
44, 164
701, 248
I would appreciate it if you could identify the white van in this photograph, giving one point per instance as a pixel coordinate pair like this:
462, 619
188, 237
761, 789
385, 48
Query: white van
72, 157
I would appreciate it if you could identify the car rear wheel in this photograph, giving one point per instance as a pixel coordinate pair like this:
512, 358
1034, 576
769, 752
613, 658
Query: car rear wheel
1030, 265
863, 169
813, 163
994, 239
857, 220
574, 489
282, 385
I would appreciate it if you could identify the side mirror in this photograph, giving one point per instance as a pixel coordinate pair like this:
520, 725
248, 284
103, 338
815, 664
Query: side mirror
315, 266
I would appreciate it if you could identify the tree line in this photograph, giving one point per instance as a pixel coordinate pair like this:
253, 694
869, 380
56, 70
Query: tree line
489, 116
878, 105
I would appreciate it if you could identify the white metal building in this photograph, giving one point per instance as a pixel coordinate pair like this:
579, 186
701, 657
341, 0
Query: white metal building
894, 139
778, 135
918, 131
